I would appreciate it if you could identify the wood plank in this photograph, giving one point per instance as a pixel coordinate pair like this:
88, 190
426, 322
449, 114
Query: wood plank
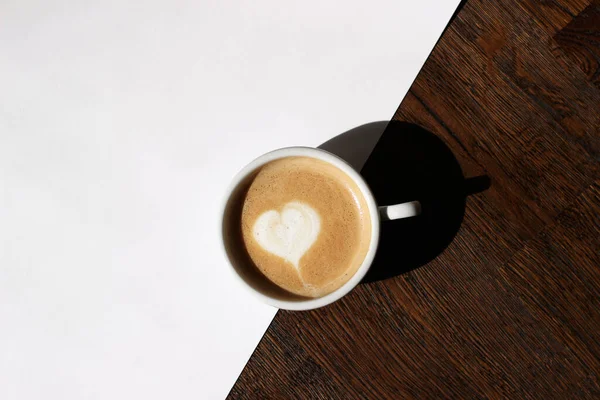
581, 41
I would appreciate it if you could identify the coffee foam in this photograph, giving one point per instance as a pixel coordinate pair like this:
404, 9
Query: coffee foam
305, 225
288, 234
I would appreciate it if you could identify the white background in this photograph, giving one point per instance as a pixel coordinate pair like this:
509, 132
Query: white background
121, 123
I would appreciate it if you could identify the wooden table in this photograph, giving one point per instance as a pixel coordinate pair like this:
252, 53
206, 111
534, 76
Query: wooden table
508, 303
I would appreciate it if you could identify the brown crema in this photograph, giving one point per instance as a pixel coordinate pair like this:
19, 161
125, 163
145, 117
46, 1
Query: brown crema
345, 226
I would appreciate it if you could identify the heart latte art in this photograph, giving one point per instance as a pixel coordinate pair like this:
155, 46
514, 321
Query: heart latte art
305, 225
288, 234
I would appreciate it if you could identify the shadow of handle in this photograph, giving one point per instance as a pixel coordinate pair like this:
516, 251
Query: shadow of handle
397, 211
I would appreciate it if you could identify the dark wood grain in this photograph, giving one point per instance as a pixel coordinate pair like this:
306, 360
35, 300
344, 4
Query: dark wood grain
581, 41
511, 308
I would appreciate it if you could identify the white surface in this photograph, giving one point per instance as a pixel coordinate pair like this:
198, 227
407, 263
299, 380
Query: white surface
121, 124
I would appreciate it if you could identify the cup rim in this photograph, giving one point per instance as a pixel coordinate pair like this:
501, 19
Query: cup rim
312, 303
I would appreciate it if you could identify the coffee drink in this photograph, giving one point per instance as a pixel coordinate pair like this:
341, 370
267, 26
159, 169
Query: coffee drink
304, 225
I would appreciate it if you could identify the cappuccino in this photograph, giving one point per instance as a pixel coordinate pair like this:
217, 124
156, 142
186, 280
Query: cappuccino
304, 225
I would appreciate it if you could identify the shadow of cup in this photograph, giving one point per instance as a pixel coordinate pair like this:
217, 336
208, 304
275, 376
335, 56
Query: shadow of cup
403, 162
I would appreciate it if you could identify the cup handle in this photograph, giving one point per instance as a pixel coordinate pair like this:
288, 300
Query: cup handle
397, 211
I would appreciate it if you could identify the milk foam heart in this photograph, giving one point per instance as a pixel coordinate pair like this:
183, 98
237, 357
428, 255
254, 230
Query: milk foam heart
288, 234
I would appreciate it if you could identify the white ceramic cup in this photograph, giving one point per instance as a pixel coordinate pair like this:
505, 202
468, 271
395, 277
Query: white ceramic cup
253, 280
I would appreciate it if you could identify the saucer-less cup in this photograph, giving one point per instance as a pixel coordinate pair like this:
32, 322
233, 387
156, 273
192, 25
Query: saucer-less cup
251, 278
